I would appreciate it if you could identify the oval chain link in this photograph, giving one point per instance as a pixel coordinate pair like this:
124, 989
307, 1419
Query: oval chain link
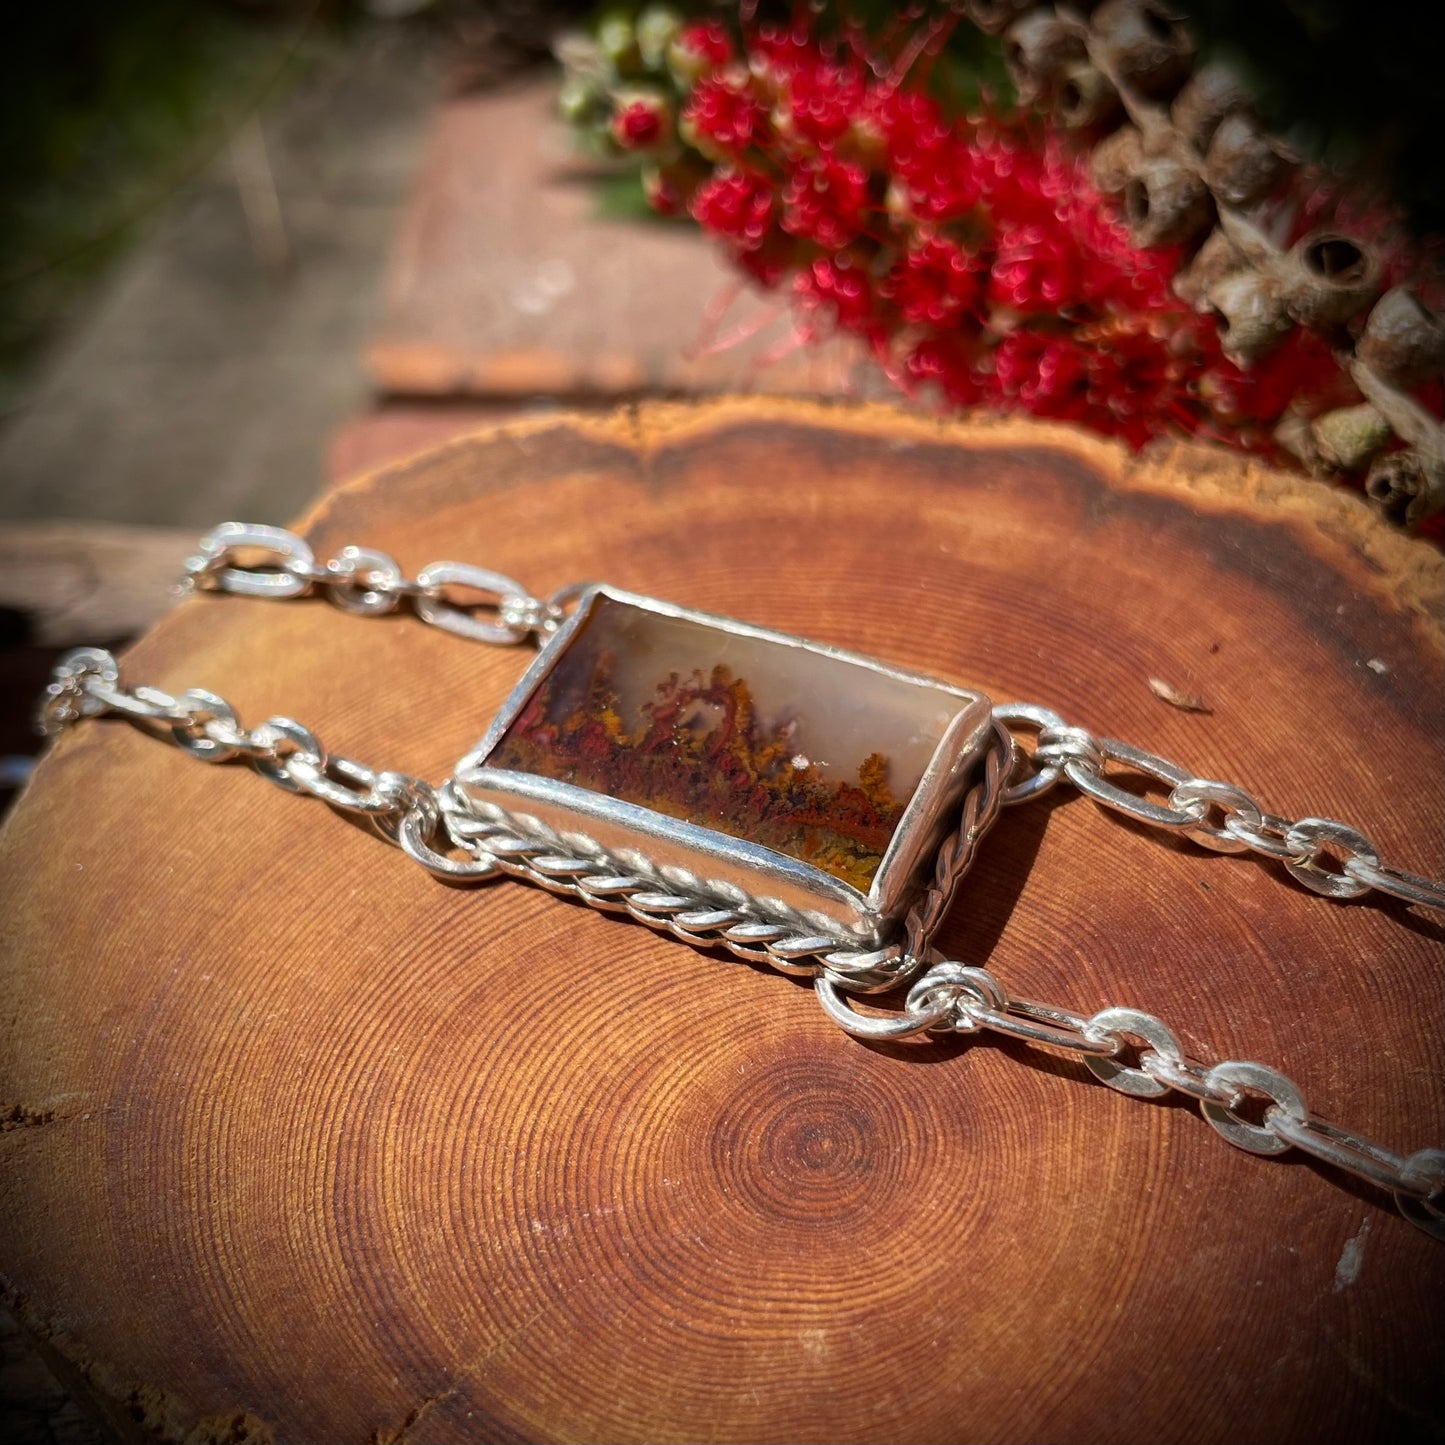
368, 583
1216, 815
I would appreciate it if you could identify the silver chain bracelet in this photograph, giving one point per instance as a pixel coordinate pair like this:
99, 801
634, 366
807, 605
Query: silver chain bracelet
671, 765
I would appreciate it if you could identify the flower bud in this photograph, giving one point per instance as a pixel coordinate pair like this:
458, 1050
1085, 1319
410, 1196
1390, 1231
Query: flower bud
642, 121
698, 50
656, 27
617, 43
1243, 165
1146, 42
1250, 315
582, 100
1403, 341
1326, 278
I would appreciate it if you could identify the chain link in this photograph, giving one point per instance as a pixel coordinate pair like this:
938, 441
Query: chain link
368, 583
1215, 815
950, 997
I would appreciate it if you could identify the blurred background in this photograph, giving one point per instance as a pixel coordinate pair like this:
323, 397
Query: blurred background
198, 202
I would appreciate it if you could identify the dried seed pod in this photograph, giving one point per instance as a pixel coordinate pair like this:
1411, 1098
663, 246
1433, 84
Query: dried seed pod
1036, 49
1146, 43
1210, 94
1085, 96
1326, 278
993, 17
1212, 262
1295, 435
1250, 315
1243, 165
1347, 439
1403, 340
1113, 160
1165, 202
1407, 486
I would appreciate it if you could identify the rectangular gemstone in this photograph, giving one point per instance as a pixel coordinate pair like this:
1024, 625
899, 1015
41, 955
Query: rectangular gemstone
794, 770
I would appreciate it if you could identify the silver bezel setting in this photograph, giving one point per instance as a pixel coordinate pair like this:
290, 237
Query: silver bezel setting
774, 884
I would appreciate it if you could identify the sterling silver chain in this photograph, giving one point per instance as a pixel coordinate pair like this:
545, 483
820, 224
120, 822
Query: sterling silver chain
455, 837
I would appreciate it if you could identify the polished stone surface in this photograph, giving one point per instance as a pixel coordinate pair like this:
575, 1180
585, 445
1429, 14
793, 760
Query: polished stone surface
811, 755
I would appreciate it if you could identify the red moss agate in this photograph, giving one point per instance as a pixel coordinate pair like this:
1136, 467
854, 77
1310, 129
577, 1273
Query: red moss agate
812, 756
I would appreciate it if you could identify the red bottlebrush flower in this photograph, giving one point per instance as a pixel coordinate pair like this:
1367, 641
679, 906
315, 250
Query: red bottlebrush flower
934, 177
945, 362
643, 123
935, 281
723, 118
698, 50
1035, 269
1038, 373
819, 101
910, 121
834, 284
769, 264
825, 200
974, 255
1131, 387
1015, 182
736, 206
775, 51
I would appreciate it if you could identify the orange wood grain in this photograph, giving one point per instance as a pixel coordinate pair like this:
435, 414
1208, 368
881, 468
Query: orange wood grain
301, 1132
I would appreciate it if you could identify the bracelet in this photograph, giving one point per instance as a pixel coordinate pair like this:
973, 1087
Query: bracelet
799, 805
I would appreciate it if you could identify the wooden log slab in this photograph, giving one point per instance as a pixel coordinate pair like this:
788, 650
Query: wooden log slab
303, 1144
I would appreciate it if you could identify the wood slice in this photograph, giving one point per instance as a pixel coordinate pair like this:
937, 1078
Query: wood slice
308, 1144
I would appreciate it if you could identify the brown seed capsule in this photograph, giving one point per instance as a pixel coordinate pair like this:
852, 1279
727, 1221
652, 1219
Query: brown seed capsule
1212, 262
1403, 340
1146, 42
1407, 486
1165, 202
1326, 278
1296, 437
993, 17
1037, 47
1113, 160
1250, 315
1084, 96
1243, 165
1210, 94
1349, 438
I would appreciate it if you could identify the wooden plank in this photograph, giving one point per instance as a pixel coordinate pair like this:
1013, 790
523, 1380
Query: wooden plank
507, 281
79, 581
